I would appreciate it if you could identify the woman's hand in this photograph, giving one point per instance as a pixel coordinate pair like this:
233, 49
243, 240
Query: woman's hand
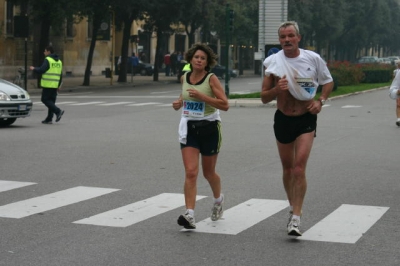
177, 104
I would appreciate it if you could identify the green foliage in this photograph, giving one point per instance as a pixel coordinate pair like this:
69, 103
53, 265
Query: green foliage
345, 73
348, 28
342, 90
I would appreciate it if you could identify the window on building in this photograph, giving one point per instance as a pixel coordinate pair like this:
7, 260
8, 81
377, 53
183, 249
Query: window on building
69, 31
9, 18
90, 29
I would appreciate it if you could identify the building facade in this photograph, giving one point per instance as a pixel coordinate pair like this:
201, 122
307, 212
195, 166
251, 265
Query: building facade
72, 44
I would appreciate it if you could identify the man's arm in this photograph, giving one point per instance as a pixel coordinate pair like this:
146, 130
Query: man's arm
42, 69
326, 91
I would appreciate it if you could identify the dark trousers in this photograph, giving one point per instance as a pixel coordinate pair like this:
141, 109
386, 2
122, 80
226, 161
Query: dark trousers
49, 97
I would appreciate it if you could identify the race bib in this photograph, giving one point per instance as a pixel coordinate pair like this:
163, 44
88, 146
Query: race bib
193, 109
306, 84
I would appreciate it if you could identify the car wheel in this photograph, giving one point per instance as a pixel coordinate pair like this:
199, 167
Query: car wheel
6, 121
143, 72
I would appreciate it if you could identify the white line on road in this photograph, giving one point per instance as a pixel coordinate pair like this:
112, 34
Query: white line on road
346, 224
9, 185
51, 201
242, 216
117, 103
87, 103
143, 104
351, 106
138, 211
59, 103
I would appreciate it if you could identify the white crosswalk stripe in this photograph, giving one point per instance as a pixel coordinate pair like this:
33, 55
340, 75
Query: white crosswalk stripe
9, 185
51, 201
138, 211
346, 224
242, 216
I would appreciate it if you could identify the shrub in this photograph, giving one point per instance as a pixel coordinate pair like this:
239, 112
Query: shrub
345, 73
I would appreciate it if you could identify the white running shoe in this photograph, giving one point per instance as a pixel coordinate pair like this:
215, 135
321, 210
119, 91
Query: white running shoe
217, 210
187, 221
294, 227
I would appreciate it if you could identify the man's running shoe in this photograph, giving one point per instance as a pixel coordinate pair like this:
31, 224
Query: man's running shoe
398, 123
294, 228
187, 221
217, 210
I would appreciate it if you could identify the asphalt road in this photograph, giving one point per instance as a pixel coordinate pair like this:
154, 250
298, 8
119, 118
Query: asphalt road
120, 148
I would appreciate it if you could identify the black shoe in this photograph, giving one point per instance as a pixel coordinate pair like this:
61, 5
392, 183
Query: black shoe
47, 122
398, 123
59, 115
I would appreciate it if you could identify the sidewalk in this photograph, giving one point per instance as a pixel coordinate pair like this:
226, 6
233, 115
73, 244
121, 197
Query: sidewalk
74, 83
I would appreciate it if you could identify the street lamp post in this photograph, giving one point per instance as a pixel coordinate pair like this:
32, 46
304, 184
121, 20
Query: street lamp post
112, 45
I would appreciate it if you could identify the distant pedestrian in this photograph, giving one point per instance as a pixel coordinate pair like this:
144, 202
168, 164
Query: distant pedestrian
135, 63
174, 63
51, 80
167, 63
395, 90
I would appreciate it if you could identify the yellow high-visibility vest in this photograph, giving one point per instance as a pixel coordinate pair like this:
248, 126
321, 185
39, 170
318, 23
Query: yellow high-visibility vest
51, 78
186, 68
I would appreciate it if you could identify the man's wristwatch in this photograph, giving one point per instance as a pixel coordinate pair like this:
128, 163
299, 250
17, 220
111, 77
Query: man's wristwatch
322, 101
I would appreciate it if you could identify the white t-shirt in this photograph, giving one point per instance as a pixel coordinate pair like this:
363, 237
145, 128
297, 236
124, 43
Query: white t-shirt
308, 70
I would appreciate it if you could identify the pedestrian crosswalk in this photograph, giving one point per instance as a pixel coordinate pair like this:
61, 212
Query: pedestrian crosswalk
347, 224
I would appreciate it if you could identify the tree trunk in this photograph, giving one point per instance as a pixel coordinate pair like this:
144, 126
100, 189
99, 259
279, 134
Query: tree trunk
124, 49
96, 26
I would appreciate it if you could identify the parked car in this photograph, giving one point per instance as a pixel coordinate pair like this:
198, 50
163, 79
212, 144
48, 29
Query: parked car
144, 69
219, 71
368, 60
385, 60
14, 103
393, 59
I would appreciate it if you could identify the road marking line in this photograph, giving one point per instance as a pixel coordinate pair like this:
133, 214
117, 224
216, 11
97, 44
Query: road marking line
242, 216
87, 103
138, 211
51, 201
59, 103
143, 104
116, 103
9, 185
351, 106
346, 224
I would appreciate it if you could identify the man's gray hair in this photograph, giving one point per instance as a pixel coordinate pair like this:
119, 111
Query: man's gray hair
289, 23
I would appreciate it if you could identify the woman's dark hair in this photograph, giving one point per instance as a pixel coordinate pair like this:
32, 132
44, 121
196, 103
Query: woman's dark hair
211, 56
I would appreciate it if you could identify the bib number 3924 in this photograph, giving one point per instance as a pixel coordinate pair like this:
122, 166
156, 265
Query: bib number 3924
193, 109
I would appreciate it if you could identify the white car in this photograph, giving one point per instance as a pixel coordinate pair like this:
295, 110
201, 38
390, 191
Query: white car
14, 103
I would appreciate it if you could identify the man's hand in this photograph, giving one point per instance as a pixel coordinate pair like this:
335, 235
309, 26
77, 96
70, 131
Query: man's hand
282, 84
315, 107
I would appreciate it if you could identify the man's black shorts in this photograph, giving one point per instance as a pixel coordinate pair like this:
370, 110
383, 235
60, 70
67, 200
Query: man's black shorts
288, 128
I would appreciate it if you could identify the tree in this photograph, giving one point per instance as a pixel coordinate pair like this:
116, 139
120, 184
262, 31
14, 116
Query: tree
96, 11
126, 12
159, 17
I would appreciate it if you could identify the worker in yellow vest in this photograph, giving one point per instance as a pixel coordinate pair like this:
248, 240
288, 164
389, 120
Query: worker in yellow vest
50, 82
